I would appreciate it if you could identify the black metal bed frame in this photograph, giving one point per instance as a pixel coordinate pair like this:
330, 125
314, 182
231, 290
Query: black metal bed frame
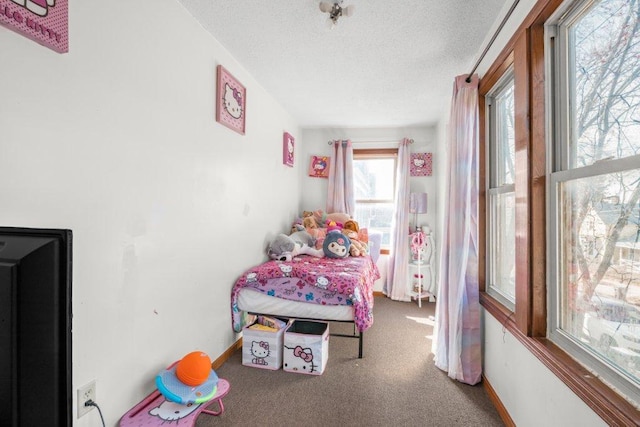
356, 334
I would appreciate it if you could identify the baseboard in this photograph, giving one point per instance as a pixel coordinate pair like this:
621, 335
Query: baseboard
226, 355
502, 411
378, 294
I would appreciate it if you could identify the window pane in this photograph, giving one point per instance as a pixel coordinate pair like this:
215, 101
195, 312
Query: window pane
376, 217
600, 285
374, 179
604, 48
505, 137
501, 195
502, 252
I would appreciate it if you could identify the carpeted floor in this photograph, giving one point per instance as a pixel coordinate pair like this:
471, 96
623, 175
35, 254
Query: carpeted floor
394, 384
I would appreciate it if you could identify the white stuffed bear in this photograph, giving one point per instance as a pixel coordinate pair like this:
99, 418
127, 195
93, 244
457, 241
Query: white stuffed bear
284, 248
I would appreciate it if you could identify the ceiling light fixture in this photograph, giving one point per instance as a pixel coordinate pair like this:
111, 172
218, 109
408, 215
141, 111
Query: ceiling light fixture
335, 11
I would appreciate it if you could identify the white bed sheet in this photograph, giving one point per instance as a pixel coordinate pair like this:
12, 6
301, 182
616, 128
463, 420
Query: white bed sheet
257, 302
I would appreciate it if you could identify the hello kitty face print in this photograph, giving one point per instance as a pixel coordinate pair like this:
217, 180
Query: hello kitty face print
421, 164
231, 101
171, 411
44, 21
287, 149
299, 359
39, 7
322, 282
286, 269
319, 166
260, 352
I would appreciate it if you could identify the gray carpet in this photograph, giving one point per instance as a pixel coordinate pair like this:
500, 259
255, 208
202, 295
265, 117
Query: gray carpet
395, 384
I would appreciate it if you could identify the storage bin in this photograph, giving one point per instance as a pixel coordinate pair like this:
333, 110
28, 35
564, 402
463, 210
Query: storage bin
306, 347
262, 348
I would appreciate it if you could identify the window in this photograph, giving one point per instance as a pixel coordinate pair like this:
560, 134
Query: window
501, 191
576, 129
595, 189
374, 180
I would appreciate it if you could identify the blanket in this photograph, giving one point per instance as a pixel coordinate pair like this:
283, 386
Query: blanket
329, 281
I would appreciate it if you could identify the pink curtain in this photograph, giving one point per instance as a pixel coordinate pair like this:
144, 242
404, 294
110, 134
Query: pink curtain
340, 196
456, 344
398, 273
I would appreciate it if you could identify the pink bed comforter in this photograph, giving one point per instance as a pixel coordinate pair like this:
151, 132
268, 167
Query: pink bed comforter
329, 281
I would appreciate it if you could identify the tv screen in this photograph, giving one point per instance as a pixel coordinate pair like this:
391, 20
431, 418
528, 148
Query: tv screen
35, 327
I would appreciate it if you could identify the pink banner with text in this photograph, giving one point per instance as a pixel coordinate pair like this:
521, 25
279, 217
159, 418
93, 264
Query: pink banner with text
44, 21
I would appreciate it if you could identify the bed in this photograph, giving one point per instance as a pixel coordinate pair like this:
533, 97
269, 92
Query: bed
311, 288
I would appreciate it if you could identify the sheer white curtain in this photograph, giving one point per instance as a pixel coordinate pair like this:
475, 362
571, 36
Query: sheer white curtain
456, 344
398, 271
340, 195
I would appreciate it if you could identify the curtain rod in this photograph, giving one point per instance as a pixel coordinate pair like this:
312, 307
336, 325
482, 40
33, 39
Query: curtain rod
365, 141
493, 38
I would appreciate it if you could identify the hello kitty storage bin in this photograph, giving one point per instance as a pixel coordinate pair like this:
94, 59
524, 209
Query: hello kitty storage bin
261, 347
306, 347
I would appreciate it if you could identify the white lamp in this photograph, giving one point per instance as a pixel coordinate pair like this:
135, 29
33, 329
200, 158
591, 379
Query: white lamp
417, 205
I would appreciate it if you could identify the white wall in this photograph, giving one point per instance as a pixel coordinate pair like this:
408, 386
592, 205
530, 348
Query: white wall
117, 141
531, 393
315, 142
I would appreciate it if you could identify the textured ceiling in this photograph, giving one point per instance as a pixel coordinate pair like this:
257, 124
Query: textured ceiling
390, 64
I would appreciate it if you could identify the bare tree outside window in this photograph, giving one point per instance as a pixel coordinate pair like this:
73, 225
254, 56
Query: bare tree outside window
599, 211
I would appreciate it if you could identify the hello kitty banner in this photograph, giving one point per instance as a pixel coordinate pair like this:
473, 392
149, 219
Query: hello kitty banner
44, 21
421, 164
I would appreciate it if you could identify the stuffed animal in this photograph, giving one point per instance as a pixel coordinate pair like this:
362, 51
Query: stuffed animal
322, 217
297, 225
357, 248
336, 245
351, 225
333, 226
284, 248
309, 222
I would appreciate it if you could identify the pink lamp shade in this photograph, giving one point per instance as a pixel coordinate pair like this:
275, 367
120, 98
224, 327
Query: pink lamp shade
418, 203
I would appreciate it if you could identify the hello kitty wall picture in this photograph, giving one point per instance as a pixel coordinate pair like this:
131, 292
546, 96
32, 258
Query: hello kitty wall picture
231, 101
421, 164
288, 145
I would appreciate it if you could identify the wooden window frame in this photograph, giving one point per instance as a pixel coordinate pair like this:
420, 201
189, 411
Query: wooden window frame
373, 153
525, 51
492, 188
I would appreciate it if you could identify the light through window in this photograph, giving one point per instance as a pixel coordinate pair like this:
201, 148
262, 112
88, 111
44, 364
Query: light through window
501, 192
596, 189
374, 185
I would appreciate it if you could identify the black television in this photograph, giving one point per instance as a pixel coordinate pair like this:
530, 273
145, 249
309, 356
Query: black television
35, 327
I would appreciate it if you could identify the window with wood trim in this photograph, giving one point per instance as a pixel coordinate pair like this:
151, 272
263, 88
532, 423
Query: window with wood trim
374, 177
576, 156
595, 188
501, 271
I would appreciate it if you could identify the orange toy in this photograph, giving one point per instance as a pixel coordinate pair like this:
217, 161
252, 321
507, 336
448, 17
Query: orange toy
194, 368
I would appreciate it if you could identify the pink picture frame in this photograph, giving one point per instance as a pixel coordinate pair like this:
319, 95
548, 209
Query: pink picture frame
288, 148
231, 101
319, 166
421, 164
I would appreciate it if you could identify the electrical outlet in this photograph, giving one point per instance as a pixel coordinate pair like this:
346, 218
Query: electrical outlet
88, 392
